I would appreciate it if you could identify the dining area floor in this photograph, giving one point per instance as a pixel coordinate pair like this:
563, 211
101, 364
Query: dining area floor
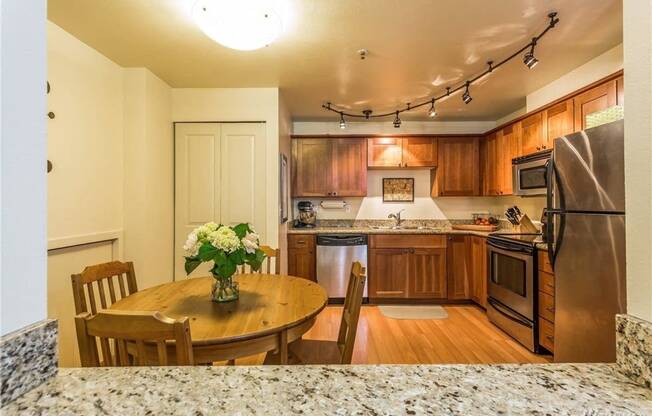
464, 337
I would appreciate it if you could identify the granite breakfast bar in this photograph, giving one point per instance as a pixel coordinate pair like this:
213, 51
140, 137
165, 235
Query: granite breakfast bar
555, 389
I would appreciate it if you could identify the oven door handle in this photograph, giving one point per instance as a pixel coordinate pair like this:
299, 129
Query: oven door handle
508, 247
508, 314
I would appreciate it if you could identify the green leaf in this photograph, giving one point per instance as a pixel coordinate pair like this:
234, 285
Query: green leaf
256, 260
241, 230
227, 269
207, 252
238, 256
191, 264
219, 258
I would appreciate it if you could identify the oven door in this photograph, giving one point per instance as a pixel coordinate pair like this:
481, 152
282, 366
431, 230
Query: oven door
530, 178
511, 277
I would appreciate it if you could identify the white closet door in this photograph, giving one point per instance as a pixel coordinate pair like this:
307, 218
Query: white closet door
220, 174
243, 175
197, 184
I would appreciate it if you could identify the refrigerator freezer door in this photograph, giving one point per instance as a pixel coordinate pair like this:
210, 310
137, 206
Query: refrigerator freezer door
589, 170
589, 286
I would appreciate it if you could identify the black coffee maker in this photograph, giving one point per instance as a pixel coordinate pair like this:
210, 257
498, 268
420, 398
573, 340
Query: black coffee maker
307, 215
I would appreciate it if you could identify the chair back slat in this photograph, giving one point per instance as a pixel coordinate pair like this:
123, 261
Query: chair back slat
271, 255
83, 285
126, 328
351, 312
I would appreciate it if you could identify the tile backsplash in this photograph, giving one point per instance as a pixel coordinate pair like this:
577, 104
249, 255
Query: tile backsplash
424, 206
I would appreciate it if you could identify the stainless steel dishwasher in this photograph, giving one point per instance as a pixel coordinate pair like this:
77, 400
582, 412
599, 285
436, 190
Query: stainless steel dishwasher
335, 254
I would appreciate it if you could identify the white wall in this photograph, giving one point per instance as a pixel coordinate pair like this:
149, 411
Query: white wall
148, 177
22, 164
85, 188
239, 104
637, 26
594, 70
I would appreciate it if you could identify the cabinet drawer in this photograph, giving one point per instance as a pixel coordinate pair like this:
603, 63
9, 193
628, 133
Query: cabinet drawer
544, 262
546, 306
547, 335
547, 283
407, 241
298, 241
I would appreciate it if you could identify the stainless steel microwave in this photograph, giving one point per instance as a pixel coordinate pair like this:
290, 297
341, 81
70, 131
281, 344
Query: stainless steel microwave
530, 174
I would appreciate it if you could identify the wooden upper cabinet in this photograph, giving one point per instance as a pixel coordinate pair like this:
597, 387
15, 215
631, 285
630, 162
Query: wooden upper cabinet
329, 167
620, 91
532, 134
508, 148
492, 169
349, 167
558, 121
458, 171
312, 167
419, 151
385, 152
598, 98
402, 152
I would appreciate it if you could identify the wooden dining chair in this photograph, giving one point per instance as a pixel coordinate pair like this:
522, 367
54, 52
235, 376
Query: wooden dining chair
101, 277
266, 267
119, 331
308, 351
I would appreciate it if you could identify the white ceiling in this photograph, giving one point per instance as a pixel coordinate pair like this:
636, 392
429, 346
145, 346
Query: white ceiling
417, 48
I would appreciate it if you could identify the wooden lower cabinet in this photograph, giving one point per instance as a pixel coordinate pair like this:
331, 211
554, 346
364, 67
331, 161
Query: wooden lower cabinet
427, 273
457, 267
388, 272
478, 270
301, 256
546, 300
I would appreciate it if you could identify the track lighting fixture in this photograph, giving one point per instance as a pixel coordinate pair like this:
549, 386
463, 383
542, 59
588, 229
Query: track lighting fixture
466, 97
528, 59
432, 112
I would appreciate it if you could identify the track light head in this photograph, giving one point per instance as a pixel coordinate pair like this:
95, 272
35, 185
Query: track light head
466, 97
432, 112
397, 121
529, 59
342, 122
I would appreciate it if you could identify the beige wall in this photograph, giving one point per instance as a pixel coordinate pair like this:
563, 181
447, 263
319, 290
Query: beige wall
285, 148
638, 155
599, 67
239, 104
149, 177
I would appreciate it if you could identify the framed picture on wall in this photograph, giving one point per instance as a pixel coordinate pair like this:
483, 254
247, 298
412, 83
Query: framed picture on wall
398, 189
284, 197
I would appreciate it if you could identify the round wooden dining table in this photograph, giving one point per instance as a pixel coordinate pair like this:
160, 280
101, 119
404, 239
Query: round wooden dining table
273, 310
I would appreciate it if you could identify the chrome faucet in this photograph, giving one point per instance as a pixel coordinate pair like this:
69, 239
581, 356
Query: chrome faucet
397, 217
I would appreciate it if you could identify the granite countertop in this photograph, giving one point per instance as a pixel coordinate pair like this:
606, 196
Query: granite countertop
370, 230
550, 389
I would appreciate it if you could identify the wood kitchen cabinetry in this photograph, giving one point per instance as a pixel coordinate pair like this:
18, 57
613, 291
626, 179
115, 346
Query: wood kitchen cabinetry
329, 167
458, 171
492, 169
596, 99
301, 256
402, 152
532, 135
458, 267
546, 302
407, 267
498, 150
477, 252
558, 121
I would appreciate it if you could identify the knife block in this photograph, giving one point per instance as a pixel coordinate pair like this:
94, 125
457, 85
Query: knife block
525, 225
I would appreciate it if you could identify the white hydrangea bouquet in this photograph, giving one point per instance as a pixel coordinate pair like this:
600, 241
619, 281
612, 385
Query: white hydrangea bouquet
227, 247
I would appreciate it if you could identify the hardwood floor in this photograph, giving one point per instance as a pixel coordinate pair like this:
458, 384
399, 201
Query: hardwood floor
465, 337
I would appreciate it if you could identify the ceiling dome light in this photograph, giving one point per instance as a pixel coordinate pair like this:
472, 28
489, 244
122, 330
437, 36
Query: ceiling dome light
466, 97
238, 24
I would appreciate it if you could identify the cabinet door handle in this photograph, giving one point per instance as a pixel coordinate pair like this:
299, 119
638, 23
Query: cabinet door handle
550, 338
399, 164
405, 165
551, 310
544, 146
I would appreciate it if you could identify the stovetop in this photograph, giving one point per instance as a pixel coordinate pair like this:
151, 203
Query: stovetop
526, 239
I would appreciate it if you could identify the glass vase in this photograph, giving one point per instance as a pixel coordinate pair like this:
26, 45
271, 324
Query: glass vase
224, 289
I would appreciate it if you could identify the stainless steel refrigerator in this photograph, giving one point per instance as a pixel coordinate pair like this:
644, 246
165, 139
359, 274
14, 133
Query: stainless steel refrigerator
586, 236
